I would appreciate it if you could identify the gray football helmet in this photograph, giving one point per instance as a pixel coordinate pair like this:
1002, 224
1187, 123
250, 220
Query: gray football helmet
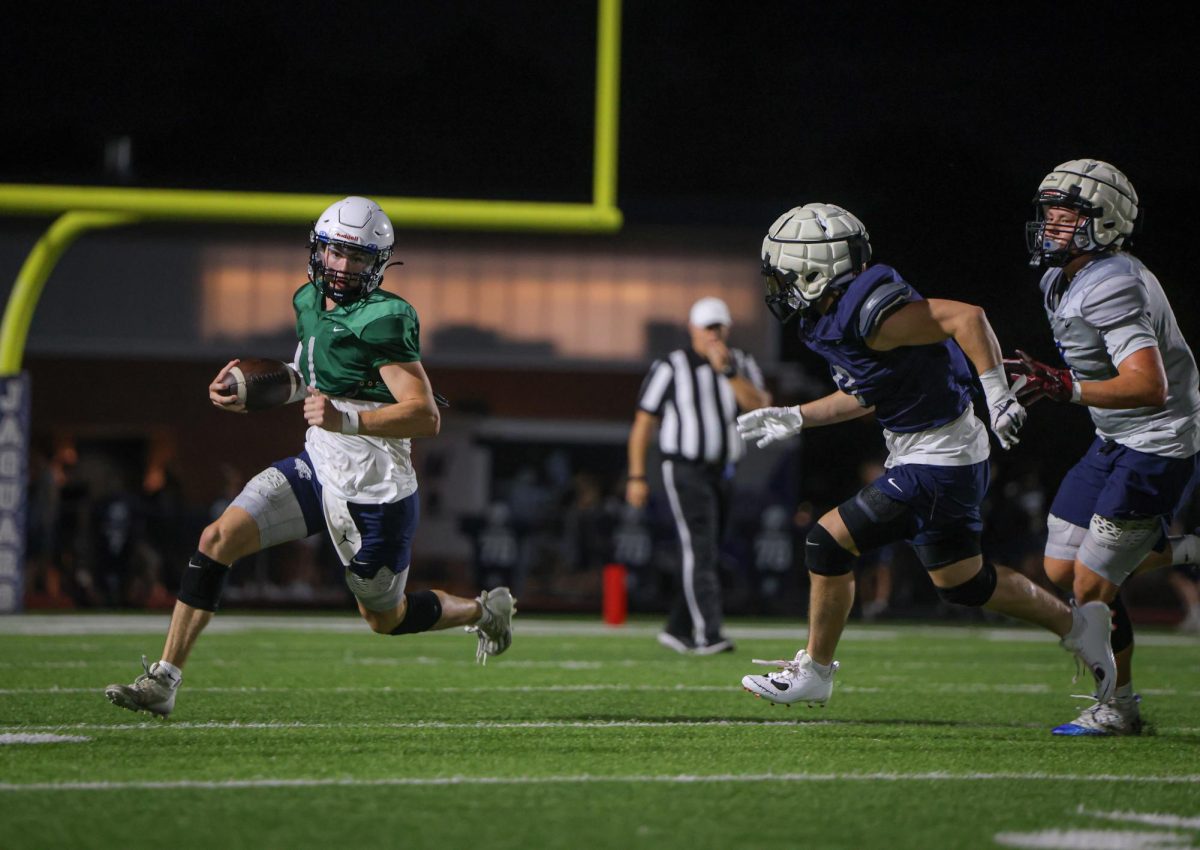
807, 250
1094, 189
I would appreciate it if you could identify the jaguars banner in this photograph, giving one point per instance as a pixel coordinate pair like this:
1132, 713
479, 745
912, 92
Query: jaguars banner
14, 458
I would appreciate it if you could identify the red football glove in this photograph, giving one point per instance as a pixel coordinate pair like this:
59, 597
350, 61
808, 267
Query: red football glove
1041, 381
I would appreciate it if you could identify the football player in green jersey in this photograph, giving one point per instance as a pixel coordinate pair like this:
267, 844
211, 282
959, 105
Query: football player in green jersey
368, 395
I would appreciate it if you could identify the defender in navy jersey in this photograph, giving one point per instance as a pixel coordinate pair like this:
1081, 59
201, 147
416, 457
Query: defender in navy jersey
1130, 366
904, 358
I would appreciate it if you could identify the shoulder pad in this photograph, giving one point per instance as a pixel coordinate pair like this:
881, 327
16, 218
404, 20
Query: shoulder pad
880, 303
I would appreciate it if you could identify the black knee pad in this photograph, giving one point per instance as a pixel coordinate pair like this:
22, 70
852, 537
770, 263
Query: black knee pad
974, 592
875, 519
823, 555
203, 581
423, 611
1122, 636
951, 549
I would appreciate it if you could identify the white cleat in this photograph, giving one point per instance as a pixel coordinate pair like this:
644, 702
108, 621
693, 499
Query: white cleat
153, 691
1119, 717
798, 680
1090, 639
494, 628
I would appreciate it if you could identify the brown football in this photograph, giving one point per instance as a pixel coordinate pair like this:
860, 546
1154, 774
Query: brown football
260, 384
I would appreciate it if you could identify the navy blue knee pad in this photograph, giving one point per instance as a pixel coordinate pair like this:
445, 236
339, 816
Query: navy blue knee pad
823, 555
975, 591
422, 613
1122, 636
203, 581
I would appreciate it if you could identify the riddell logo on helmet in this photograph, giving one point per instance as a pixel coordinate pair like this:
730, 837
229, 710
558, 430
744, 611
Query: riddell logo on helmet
349, 237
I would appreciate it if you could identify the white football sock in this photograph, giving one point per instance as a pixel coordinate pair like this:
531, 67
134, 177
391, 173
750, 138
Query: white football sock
823, 669
171, 670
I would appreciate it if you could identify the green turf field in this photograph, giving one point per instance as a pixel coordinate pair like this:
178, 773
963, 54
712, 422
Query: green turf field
313, 732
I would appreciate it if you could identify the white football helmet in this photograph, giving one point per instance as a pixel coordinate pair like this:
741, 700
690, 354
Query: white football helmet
359, 231
807, 250
1098, 191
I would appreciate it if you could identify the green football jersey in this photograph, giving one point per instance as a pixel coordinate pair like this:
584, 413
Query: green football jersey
341, 349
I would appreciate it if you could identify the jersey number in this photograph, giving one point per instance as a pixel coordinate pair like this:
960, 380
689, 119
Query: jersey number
846, 383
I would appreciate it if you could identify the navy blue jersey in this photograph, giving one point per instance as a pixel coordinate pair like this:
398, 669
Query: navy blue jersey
912, 388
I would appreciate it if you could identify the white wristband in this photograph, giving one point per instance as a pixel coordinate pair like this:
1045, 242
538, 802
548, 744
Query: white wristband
349, 421
995, 383
1076, 393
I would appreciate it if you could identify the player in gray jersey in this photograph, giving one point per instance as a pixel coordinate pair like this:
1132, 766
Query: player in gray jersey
1130, 366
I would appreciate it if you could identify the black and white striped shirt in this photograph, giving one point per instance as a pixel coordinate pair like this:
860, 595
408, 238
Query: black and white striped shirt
697, 406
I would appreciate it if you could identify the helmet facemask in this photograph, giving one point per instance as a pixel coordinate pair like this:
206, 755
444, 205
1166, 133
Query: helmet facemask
360, 274
1054, 244
783, 298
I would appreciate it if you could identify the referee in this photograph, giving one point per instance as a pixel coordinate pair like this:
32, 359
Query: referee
693, 397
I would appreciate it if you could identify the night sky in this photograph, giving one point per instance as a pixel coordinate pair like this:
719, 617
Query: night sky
933, 123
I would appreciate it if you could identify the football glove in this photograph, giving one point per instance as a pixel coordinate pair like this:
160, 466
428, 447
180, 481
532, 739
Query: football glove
1041, 381
1005, 413
769, 424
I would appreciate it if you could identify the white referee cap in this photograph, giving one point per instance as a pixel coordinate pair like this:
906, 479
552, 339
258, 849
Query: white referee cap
710, 311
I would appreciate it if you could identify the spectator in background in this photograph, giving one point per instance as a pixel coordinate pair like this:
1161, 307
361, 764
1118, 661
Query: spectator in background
46, 584
692, 398
497, 547
584, 541
774, 554
118, 530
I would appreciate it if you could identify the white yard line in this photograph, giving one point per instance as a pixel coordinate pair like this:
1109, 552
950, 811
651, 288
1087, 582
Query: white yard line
416, 724
1148, 818
934, 687
586, 778
40, 738
407, 690
1094, 839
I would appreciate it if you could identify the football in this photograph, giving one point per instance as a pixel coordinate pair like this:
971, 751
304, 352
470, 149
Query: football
260, 384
